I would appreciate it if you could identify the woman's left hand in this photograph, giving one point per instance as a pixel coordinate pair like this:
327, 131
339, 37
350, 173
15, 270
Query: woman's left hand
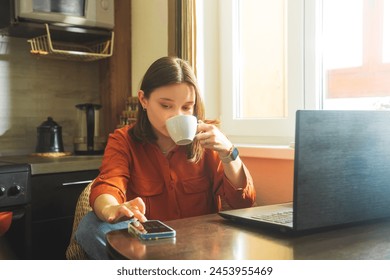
210, 137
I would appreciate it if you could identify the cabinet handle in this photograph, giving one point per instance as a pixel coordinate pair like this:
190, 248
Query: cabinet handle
86, 182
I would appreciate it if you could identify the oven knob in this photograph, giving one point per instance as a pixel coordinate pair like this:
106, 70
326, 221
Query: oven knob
14, 190
2, 190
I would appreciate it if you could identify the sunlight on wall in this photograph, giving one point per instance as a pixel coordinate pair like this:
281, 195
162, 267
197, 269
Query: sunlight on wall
149, 33
4, 87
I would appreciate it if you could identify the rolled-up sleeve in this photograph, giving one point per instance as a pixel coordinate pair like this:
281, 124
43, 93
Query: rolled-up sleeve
114, 171
241, 197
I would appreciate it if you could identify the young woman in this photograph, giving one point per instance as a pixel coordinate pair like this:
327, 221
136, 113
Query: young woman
145, 175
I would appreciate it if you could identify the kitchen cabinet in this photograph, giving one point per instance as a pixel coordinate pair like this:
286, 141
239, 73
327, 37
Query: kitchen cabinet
43, 233
54, 197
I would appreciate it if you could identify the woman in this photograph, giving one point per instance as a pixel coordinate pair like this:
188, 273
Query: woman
145, 175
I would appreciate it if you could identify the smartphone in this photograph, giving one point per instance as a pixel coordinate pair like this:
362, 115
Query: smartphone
153, 229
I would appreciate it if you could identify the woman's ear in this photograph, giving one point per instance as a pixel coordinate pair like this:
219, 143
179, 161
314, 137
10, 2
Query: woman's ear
142, 99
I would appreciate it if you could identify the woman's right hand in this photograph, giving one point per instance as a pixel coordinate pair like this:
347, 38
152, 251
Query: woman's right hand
134, 208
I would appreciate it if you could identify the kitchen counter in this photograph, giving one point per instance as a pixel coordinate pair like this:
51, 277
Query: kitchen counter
47, 165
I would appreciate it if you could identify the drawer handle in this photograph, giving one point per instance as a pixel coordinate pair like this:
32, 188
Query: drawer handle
86, 182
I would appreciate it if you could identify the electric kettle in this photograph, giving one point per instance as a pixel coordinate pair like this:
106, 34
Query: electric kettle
49, 137
87, 140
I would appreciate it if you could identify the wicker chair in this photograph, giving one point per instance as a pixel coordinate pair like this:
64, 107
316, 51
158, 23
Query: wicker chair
74, 251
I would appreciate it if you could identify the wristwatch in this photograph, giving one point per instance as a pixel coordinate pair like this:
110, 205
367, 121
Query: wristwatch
233, 154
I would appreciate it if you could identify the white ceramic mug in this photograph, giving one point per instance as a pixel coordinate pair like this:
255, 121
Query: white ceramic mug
182, 128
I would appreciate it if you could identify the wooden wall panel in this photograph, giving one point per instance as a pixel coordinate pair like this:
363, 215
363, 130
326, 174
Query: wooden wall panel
115, 73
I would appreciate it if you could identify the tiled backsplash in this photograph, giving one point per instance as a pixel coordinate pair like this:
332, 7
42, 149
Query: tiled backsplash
33, 88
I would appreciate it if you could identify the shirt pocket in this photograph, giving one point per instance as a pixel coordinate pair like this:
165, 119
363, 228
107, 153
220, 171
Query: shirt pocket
197, 197
146, 187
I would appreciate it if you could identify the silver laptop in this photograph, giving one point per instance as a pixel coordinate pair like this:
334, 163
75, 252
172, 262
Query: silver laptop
341, 173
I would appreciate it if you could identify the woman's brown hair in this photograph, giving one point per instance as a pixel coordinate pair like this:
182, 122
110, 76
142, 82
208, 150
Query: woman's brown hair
166, 71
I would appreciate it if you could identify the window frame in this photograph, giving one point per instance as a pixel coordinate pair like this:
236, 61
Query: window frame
217, 84
264, 131
373, 74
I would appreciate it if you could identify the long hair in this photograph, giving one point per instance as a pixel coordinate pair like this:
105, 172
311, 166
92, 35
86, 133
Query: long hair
167, 71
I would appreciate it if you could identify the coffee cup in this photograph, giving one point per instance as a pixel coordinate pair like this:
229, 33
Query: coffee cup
182, 128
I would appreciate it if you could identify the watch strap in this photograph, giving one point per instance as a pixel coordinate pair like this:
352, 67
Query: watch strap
233, 154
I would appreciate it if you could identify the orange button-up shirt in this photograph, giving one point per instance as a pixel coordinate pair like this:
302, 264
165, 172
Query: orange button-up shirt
171, 186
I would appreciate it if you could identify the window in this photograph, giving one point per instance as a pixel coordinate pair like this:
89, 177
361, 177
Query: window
356, 68
260, 58
262, 73
277, 56
256, 102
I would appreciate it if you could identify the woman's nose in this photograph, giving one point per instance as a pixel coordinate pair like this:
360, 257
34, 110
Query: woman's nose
179, 112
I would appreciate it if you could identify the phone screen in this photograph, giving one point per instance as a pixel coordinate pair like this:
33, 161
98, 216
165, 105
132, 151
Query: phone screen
155, 226
153, 229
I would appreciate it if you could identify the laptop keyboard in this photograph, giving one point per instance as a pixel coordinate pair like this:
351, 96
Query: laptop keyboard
284, 217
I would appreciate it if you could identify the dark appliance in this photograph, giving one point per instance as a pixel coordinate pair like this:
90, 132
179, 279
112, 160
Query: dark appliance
87, 140
15, 196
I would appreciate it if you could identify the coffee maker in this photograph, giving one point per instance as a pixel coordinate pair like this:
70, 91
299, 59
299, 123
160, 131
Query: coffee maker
87, 140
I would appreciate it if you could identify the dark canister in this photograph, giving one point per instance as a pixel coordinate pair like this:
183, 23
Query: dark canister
49, 135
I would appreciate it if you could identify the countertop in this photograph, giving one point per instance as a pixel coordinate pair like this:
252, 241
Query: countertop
46, 165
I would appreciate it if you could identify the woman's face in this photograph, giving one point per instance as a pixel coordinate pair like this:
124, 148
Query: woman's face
166, 102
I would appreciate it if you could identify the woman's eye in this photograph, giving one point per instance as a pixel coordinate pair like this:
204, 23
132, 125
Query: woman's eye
187, 108
165, 106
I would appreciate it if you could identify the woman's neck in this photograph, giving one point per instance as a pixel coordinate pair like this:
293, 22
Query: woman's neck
166, 144
166, 149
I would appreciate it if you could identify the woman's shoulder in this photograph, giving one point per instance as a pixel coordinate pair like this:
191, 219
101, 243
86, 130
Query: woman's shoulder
121, 137
123, 132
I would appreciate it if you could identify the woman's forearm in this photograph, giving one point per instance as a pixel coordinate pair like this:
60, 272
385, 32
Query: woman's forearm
235, 173
101, 203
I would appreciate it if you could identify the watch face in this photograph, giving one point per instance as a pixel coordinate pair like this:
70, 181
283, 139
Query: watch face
234, 153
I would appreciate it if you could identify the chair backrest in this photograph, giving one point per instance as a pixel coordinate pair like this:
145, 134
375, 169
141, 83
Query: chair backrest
74, 251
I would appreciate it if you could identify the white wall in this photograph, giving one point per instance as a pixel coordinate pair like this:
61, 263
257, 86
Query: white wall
150, 41
149, 21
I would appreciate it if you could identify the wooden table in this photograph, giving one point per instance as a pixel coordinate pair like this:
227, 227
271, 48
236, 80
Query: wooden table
211, 237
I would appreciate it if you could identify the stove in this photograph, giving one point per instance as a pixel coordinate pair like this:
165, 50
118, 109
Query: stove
15, 196
14, 185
